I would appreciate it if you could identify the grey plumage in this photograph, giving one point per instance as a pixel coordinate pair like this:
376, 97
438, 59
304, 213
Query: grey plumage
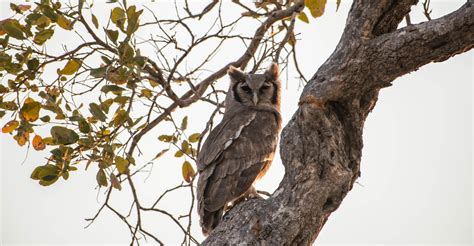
240, 148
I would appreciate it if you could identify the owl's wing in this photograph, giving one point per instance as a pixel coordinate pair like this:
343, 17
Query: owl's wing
233, 155
222, 136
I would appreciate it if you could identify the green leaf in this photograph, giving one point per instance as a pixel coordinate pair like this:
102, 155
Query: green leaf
32, 64
316, 7
45, 118
97, 112
47, 174
40, 20
98, 72
84, 126
303, 17
184, 123
42, 36
184, 146
10, 105
126, 52
121, 164
62, 135
30, 110
13, 28
117, 16
112, 88
95, 21
101, 178
120, 117
48, 180
105, 105
194, 137
133, 19
112, 34
71, 67
65, 175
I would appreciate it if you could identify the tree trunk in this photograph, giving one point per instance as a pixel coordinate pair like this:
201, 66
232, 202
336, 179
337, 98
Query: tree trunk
321, 147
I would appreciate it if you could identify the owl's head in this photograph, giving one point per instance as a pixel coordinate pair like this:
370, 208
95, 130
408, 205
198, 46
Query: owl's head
255, 89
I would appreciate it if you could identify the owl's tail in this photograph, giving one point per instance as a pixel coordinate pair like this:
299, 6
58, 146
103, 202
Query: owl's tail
209, 220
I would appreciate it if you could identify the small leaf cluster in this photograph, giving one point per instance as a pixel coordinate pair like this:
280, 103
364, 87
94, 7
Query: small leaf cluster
185, 147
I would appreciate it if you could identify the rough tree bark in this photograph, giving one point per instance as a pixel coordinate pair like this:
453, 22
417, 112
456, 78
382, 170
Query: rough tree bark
321, 145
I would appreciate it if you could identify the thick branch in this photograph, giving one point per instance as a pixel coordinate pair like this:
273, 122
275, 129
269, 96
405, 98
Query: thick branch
321, 146
407, 49
359, 66
372, 18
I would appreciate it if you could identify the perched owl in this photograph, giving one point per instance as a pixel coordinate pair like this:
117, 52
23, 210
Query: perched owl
240, 148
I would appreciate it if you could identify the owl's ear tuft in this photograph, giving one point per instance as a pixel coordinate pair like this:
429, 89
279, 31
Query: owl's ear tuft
273, 71
235, 73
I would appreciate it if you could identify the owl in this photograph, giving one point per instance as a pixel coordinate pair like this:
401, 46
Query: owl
240, 149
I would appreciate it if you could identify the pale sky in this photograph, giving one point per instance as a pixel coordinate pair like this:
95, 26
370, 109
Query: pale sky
415, 188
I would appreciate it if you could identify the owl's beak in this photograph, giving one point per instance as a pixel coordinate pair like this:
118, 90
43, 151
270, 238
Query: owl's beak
255, 98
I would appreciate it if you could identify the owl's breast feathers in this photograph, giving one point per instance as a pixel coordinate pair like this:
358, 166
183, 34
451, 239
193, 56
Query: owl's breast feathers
236, 151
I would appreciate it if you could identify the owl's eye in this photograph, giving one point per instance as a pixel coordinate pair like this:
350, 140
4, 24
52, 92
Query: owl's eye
265, 86
246, 88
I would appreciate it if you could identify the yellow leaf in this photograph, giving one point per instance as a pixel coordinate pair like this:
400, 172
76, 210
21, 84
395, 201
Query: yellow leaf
117, 14
30, 110
10, 126
338, 2
22, 139
194, 137
24, 7
316, 7
153, 83
178, 154
95, 21
64, 23
38, 143
188, 171
146, 93
48, 141
303, 17
71, 67
121, 164
165, 138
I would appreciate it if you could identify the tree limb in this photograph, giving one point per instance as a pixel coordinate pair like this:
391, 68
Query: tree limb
407, 49
321, 147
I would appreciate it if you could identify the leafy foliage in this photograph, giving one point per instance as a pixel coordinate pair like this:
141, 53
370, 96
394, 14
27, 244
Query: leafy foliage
42, 93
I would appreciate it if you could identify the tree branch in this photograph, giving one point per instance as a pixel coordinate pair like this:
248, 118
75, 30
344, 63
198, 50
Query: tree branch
406, 49
372, 18
357, 67
321, 147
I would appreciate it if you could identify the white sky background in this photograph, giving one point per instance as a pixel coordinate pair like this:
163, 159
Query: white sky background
416, 183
